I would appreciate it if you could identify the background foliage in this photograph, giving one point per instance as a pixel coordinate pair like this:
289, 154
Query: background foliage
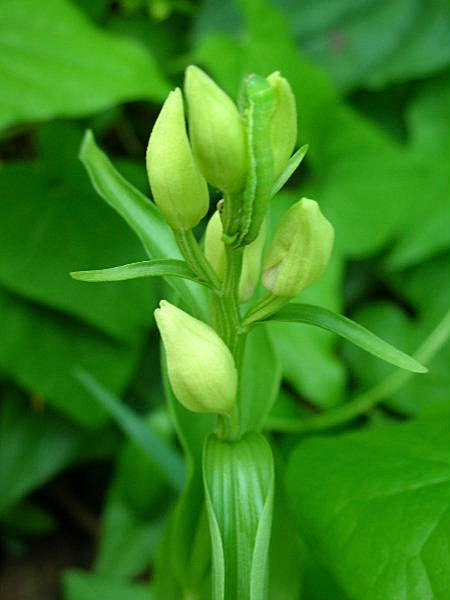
82, 508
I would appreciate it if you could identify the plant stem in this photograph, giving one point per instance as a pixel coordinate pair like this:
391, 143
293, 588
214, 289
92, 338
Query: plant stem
195, 258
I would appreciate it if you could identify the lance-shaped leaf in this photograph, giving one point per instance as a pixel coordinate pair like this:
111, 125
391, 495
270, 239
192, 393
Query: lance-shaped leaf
148, 439
140, 214
348, 329
146, 268
291, 167
239, 482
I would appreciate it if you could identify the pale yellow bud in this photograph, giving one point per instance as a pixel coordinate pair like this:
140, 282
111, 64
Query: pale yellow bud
216, 132
284, 122
200, 366
251, 259
178, 187
300, 250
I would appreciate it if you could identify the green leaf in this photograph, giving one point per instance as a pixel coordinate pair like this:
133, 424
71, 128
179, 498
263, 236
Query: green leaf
74, 69
140, 214
375, 506
260, 380
239, 481
35, 445
145, 268
131, 517
72, 228
348, 329
39, 349
81, 585
292, 166
157, 449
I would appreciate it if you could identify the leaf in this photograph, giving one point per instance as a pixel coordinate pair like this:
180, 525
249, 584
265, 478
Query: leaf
158, 450
145, 268
71, 228
81, 585
131, 517
34, 446
39, 349
140, 214
383, 532
348, 329
260, 379
292, 166
72, 70
239, 481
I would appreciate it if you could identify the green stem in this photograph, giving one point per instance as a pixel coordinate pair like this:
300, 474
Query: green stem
369, 399
195, 258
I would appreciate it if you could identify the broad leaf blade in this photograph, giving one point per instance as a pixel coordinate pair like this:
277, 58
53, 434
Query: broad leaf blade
145, 268
292, 166
137, 210
375, 506
55, 63
348, 329
168, 460
239, 482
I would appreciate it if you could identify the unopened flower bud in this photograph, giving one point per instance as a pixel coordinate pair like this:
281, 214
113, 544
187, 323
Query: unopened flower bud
251, 259
178, 187
200, 366
216, 132
300, 250
284, 122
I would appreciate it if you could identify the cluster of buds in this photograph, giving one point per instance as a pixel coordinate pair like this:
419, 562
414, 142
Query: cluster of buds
215, 148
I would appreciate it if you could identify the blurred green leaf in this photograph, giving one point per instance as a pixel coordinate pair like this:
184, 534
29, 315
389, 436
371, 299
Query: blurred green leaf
131, 520
34, 446
72, 69
26, 518
423, 229
51, 223
387, 319
81, 585
360, 43
168, 461
40, 348
375, 505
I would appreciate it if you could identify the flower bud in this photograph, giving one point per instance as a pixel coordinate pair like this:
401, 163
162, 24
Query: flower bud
300, 250
284, 122
251, 259
178, 187
200, 366
216, 132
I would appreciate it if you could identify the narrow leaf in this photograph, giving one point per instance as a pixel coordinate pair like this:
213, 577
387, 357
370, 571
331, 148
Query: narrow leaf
145, 268
137, 210
239, 483
348, 329
292, 166
168, 460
